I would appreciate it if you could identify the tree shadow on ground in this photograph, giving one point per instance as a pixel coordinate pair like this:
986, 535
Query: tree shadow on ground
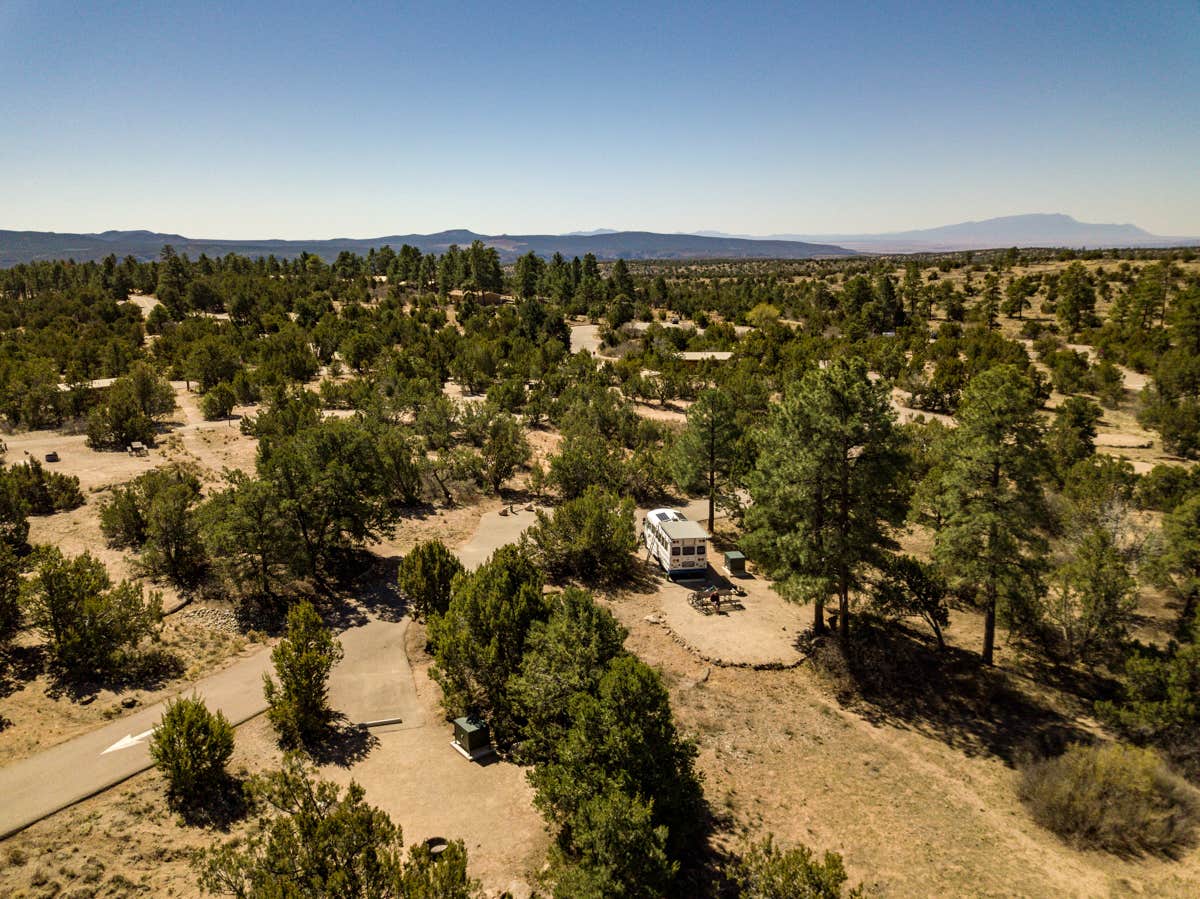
343, 744
365, 587
267, 614
892, 676
644, 577
705, 875
224, 803
149, 669
18, 666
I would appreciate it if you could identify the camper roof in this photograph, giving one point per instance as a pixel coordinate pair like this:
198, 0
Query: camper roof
676, 526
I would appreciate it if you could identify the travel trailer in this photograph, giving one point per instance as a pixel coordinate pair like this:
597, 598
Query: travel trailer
677, 544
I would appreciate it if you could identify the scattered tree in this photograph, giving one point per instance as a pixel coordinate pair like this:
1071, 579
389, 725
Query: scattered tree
913, 587
825, 489
191, 747
316, 842
218, 401
425, 576
564, 655
989, 497
591, 538
91, 624
480, 641
709, 454
298, 706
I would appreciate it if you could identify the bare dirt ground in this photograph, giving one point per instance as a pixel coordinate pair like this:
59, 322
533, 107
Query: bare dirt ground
759, 629
124, 842
585, 338
918, 805
430, 790
453, 525
144, 301
37, 710
673, 413
213, 445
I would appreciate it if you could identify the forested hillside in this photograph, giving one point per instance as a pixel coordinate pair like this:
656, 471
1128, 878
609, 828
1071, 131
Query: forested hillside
975, 472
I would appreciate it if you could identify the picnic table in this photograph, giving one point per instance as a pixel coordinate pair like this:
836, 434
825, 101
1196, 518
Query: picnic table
710, 600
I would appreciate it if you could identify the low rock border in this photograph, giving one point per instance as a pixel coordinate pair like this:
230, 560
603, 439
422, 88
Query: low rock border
657, 619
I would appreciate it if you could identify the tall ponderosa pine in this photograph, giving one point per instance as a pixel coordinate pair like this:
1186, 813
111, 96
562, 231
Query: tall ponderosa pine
989, 498
708, 453
826, 487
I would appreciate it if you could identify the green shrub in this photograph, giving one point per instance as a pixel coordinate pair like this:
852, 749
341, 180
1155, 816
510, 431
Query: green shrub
425, 575
1159, 703
10, 592
45, 492
480, 641
156, 515
130, 409
218, 402
320, 842
14, 514
298, 706
591, 538
91, 624
191, 747
614, 849
767, 872
1113, 797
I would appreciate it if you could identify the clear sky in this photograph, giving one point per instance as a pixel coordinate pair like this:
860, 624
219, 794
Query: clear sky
307, 120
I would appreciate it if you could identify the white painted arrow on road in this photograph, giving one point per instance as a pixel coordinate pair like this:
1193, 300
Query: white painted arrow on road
126, 741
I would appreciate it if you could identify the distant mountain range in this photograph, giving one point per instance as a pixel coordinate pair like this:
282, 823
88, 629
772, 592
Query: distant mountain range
1040, 230
1036, 230
29, 246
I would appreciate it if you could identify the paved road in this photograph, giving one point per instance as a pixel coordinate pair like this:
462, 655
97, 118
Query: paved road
373, 681
494, 531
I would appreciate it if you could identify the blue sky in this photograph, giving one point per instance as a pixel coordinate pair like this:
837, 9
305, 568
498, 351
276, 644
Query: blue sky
290, 119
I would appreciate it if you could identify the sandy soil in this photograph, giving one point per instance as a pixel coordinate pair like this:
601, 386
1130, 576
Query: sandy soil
430, 790
453, 525
585, 338
757, 629
674, 413
144, 301
187, 437
456, 391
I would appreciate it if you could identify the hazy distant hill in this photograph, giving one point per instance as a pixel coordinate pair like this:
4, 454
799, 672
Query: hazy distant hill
1038, 230
28, 246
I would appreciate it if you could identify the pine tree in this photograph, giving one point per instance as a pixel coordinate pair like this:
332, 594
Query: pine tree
298, 706
709, 453
826, 487
988, 495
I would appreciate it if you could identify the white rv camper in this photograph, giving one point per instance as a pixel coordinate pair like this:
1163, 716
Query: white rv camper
677, 544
